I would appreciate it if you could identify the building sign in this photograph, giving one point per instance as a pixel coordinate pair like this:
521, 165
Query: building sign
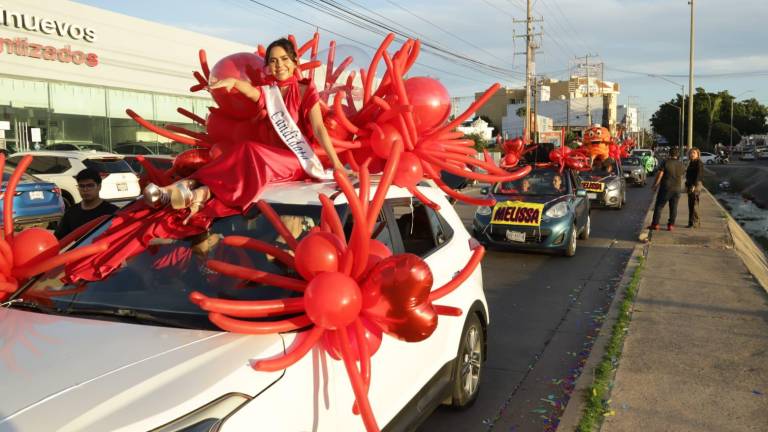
22, 47
28, 22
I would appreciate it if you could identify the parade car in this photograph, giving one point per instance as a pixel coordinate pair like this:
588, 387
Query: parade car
133, 353
634, 171
605, 184
545, 210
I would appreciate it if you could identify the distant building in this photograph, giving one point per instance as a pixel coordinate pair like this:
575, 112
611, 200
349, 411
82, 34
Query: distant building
477, 126
627, 119
496, 107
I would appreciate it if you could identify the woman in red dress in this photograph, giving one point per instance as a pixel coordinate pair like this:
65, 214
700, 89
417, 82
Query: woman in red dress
233, 180
265, 159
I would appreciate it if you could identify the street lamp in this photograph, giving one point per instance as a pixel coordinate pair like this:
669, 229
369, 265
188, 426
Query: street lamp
730, 146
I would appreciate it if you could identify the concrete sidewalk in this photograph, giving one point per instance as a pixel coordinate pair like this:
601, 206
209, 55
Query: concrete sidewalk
696, 355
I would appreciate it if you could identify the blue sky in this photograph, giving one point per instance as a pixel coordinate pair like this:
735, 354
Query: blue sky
631, 37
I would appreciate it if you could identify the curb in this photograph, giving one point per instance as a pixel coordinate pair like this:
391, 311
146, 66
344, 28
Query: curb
571, 417
750, 253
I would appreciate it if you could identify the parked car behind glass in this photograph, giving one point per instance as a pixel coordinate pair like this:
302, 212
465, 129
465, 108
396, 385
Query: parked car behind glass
60, 167
36, 202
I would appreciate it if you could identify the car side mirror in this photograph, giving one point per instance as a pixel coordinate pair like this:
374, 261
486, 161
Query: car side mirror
581, 193
485, 190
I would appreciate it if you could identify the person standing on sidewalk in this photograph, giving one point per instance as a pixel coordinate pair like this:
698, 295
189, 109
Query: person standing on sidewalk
669, 184
693, 178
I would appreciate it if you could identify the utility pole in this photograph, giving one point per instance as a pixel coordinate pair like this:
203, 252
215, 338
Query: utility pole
690, 79
530, 63
588, 74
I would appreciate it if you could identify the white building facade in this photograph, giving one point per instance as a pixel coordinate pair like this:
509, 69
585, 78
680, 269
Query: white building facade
69, 71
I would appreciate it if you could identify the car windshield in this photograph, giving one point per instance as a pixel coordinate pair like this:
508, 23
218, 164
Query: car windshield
541, 181
163, 150
601, 169
115, 165
632, 161
158, 281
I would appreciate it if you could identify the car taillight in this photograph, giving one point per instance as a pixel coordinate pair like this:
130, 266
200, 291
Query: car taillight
56, 190
103, 174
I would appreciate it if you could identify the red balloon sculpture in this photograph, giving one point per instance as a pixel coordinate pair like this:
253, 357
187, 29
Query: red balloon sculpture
34, 250
353, 291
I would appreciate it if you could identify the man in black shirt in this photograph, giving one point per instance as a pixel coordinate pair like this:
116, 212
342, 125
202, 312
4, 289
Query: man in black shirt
669, 183
91, 207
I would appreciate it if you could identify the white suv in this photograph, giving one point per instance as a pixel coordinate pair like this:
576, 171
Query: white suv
118, 182
154, 361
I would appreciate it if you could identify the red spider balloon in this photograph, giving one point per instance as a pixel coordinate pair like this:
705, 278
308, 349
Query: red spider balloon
566, 157
514, 150
355, 291
409, 111
34, 250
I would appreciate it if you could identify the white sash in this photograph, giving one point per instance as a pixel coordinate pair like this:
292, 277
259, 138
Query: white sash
291, 135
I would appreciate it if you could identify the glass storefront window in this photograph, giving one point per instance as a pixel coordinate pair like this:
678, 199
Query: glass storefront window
91, 117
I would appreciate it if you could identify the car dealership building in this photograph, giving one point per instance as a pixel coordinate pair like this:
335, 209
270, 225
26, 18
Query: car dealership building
69, 71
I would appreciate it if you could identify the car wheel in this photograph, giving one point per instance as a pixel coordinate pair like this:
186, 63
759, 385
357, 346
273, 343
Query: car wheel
68, 201
570, 249
587, 229
469, 364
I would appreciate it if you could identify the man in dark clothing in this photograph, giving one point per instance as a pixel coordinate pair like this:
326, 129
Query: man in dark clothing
91, 207
669, 183
694, 175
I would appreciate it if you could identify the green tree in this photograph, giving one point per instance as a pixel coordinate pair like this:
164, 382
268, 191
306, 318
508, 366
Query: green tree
709, 109
480, 142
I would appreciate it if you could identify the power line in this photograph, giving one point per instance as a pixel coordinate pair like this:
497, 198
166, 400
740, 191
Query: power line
313, 25
498, 9
442, 29
370, 24
712, 75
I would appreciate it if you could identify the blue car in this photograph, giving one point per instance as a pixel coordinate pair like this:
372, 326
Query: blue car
36, 203
545, 211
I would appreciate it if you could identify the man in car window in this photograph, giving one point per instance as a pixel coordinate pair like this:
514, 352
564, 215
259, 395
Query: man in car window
91, 207
557, 183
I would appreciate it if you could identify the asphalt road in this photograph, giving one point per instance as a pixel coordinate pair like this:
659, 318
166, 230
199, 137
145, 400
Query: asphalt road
544, 311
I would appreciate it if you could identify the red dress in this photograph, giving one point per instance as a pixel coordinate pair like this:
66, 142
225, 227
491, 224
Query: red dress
235, 178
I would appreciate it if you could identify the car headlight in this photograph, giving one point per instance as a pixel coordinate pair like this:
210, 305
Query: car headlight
637, 171
612, 186
484, 211
557, 211
208, 417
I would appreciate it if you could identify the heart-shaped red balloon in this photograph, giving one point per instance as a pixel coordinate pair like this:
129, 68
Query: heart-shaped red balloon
396, 297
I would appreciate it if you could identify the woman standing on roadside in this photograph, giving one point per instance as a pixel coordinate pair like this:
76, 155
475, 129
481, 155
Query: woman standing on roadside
693, 178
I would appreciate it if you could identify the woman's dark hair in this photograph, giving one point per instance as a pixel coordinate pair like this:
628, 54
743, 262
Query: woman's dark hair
285, 44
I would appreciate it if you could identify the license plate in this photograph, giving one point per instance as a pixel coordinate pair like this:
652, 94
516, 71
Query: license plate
35, 195
592, 195
122, 187
516, 236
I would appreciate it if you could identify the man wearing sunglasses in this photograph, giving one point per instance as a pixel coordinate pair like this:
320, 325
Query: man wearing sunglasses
91, 207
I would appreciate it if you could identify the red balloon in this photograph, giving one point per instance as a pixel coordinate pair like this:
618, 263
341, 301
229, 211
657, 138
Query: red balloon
318, 252
332, 300
189, 161
409, 171
430, 100
377, 251
335, 129
234, 103
372, 334
510, 160
396, 297
33, 245
383, 138
515, 145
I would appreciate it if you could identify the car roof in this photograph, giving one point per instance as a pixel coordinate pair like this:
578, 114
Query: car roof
307, 192
74, 154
